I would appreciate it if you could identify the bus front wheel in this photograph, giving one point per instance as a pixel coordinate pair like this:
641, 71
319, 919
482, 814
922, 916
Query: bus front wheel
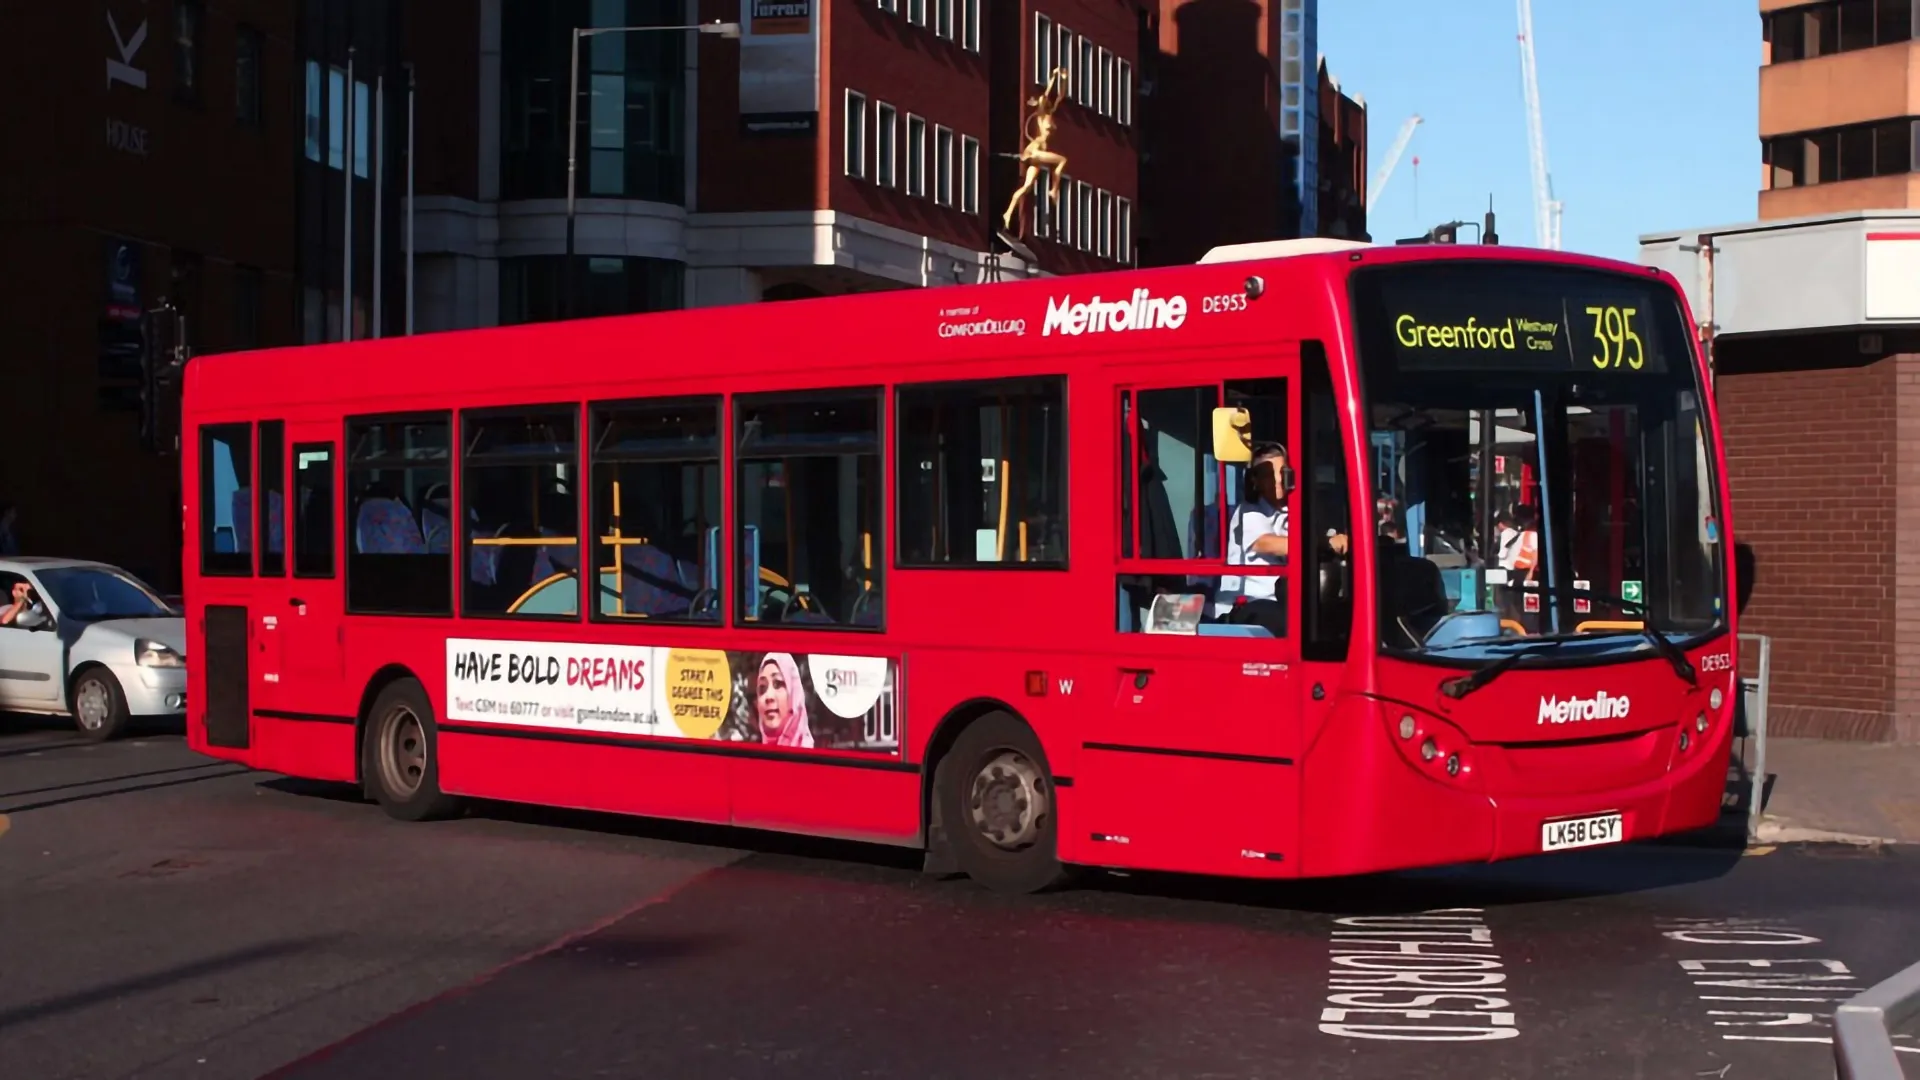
997, 808
400, 756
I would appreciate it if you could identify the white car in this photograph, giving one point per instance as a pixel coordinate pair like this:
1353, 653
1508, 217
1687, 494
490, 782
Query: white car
100, 646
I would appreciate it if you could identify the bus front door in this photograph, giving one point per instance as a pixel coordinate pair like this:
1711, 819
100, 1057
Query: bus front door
1192, 765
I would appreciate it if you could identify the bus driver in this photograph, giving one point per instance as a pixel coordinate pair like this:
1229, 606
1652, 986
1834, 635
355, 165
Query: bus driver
1258, 535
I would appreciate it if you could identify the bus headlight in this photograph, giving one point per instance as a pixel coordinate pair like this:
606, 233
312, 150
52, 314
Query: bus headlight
1453, 764
1700, 723
1429, 751
1714, 699
1683, 739
1406, 727
155, 654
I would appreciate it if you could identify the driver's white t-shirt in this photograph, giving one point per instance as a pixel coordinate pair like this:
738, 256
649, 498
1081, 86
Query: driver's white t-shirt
1250, 522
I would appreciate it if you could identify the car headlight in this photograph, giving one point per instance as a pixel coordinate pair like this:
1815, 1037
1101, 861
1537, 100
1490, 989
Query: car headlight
155, 654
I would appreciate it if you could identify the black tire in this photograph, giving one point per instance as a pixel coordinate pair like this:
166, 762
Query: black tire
400, 755
998, 760
98, 705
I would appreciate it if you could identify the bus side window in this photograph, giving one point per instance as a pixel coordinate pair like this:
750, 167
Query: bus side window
655, 552
981, 472
226, 478
519, 528
270, 500
807, 497
397, 472
313, 530
1324, 505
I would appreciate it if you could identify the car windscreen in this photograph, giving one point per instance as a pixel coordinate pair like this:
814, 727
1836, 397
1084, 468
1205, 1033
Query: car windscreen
91, 592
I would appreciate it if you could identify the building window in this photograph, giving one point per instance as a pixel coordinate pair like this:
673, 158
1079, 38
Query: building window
533, 287
1064, 51
1807, 31
1106, 83
1043, 209
1062, 212
1086, 77
855, 120
1042, 49
1124, 95
246, 307
1124, 231
970, 174
917, 12
336, 118
943, 18
1856, 152
981, 469
1106, 224
916, 155
970, 24
398, 495
226, 470
313, 488
943, 166
270, 504
631, 141
656, 510
246, 76
520, 512
189, 20
362, 128
315, 105
886, 165
1088, 229
892, 7
807, 489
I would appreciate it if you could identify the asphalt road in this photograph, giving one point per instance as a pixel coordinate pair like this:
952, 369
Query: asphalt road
161, 916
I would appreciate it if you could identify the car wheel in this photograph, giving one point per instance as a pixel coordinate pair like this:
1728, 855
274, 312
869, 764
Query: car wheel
98, 705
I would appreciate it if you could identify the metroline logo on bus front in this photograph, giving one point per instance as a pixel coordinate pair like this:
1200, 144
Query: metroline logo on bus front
1601, 706
1141, 311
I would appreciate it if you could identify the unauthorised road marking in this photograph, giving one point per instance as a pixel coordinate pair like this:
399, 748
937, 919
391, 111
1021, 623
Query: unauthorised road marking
1398, 974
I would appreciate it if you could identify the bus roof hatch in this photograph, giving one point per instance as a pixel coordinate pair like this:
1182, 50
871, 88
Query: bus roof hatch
1278, 249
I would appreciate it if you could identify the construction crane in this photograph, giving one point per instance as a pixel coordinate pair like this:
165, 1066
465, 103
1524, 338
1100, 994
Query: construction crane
1393, 158
1546, 209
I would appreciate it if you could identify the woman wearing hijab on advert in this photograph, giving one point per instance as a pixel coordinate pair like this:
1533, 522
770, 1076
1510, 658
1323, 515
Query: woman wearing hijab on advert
781, 702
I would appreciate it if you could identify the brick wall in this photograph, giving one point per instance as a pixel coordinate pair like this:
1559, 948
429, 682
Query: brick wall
1811, 455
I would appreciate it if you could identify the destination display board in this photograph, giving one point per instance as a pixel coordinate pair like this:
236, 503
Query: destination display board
1515, 318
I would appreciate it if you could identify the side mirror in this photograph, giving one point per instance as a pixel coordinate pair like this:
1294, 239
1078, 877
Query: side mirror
1746, 566
1232, 436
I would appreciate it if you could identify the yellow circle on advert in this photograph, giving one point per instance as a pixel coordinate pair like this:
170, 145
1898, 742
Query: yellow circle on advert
699, 688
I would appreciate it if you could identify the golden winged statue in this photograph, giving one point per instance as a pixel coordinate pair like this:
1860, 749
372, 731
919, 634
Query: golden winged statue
1034, 156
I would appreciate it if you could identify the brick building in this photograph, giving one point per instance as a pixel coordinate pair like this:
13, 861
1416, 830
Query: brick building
1818, 387
325, 169
152, 162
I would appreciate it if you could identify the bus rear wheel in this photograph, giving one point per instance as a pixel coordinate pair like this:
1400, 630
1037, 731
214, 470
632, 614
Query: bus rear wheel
400, 755
997, 808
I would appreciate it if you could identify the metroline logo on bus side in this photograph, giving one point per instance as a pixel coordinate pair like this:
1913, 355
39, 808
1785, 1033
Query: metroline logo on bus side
1067, 318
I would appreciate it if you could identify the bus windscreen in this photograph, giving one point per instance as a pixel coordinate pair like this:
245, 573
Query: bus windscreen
1543, 320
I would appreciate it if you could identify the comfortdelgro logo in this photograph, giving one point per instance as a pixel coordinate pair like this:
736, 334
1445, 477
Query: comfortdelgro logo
1141, 311
1601, 706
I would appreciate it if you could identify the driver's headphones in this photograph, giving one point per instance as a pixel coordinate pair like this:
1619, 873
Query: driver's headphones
1285, 471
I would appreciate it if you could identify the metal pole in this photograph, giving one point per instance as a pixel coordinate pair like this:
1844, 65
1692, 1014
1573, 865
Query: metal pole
346, 259
379, 193
409, 237
573, 134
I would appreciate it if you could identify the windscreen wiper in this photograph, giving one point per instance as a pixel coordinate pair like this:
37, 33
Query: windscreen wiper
1460, 686
1661, 643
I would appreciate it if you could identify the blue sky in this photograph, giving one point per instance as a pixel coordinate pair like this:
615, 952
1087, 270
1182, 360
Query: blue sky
1650, 109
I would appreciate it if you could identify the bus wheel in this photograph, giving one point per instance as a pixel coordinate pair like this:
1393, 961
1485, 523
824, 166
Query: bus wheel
996, 804
400, 755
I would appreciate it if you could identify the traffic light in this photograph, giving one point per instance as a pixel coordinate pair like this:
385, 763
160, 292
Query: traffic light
163, 356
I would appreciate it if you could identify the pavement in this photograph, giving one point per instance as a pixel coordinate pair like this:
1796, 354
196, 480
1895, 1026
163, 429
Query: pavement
163, 915
1846, 791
